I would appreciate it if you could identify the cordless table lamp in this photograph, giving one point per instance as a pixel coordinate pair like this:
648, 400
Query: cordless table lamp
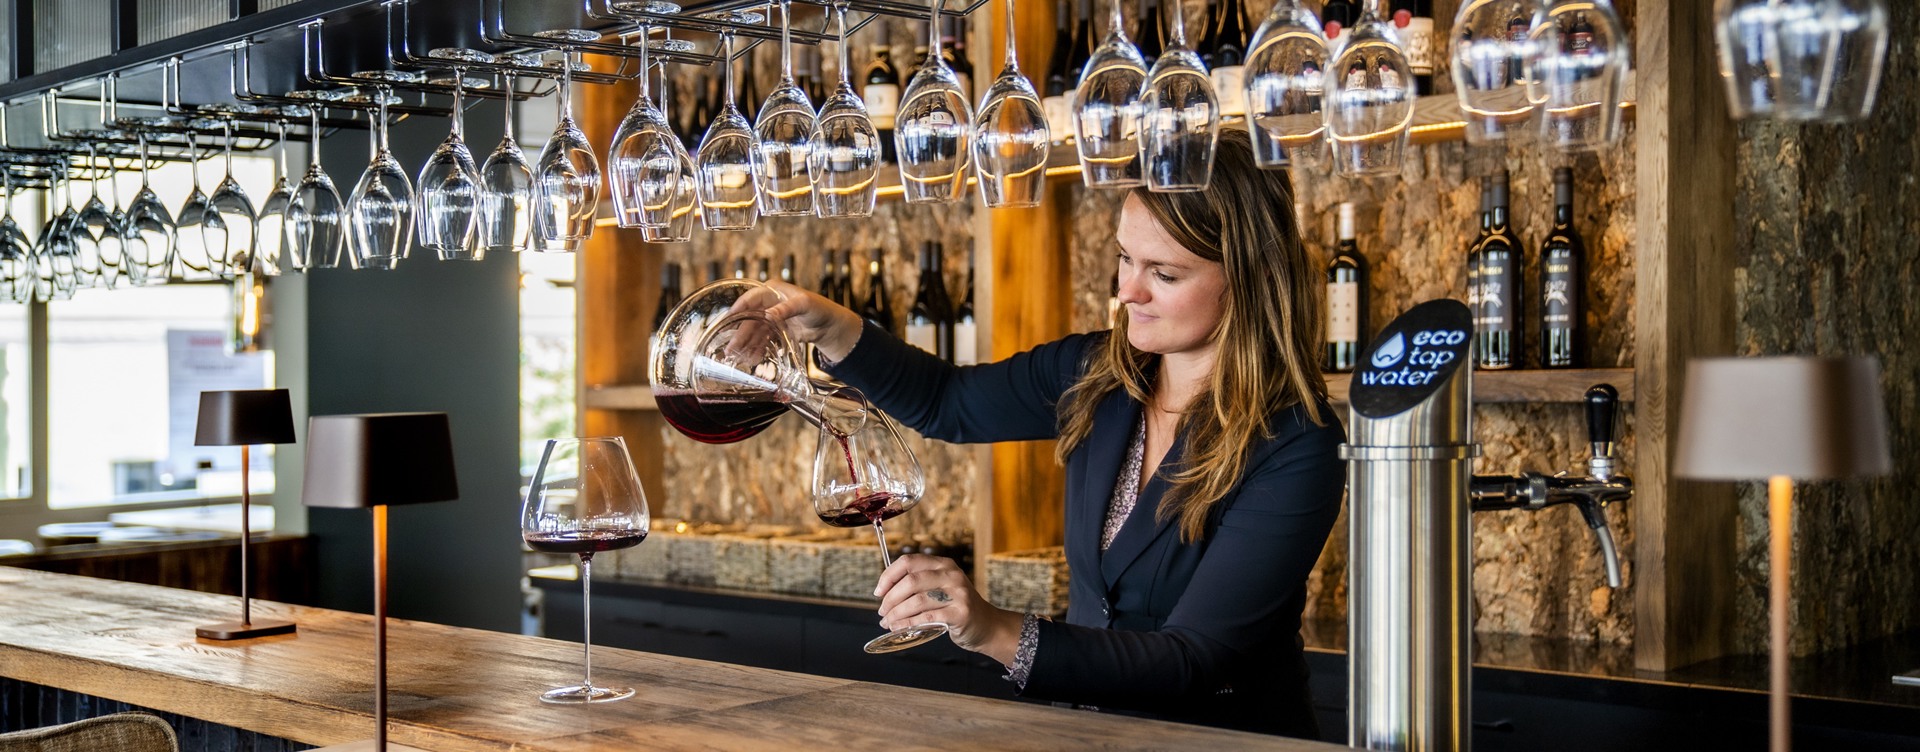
1777, 419
373, 462
244, 417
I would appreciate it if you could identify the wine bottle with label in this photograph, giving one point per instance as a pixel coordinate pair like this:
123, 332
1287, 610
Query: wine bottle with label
846, 279
828, 280
1474, 298
882, 95
966, 332
669, 293
1057, 88
1413, 21
930, 322
875, 308
1224, 49
1337, 15
953, 48
1563, 260
1502, 341
1346, 299
1153, 32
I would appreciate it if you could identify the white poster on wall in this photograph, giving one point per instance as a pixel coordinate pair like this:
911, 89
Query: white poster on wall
197, 361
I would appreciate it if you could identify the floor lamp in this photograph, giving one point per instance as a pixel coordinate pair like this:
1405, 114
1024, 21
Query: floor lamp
373, 462
1780, 419
244, 417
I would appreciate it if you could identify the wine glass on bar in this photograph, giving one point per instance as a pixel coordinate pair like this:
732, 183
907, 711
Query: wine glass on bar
1580, 74
845, 152
785, 135
728, 193
1011, 141
1179, 117
94, 230
585, 498
934, 128
867, 477
1106, 110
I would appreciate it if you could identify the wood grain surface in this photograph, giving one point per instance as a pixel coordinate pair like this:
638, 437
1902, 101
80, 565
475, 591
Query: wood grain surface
463, 689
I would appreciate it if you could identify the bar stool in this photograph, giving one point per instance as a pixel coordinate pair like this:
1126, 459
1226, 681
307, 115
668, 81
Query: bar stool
123, 732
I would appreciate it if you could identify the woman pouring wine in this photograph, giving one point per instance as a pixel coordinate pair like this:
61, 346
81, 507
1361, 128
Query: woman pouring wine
1200, 453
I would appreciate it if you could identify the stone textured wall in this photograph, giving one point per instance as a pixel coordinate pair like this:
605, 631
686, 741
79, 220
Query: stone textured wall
1825, 220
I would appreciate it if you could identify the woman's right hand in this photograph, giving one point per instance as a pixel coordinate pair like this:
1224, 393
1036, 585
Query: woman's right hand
832, 328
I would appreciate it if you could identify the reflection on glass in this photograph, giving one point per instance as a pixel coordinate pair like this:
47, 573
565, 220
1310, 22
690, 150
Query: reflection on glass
1011, 140
932, 131
1801, 60
1493, 46
1285, 82
566, 179
1580, 74
727, 189
380, 211
1106, 110
1370, 104
1179, 118
845, 152
642, 170
505, 222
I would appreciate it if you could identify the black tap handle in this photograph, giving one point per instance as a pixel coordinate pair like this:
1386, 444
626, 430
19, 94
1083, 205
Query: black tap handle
1603, 404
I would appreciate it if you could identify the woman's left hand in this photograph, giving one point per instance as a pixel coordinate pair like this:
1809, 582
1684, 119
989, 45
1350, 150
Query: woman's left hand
919, 589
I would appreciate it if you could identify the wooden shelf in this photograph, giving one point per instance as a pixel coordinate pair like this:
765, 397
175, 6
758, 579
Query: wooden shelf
1557, 385
620, 397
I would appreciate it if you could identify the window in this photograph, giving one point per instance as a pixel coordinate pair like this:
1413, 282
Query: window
546, 353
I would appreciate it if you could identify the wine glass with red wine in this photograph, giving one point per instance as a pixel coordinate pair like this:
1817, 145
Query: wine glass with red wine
585, 498
866, 478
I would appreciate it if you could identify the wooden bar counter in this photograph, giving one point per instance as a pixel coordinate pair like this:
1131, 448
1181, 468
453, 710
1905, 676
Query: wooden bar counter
464, 689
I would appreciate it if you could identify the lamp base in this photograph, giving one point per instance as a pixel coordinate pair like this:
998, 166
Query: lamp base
234, 630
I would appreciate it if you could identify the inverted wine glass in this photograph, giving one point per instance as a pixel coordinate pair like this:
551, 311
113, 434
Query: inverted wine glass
933, 132
1106, 110
865, 478
113, 255
728, 190
1493, 46
449, 184
566, 178
1285, 83
505, 221
1801, 60
585, 498
16, 249
190, 242
685, 199
1179, 117
642, 171
58, 256
315, 233
782, 162
380, 210
234, 210
149, 245
1011, 141
844, 156
1579, 74
1370, 101
94, 230
273, 247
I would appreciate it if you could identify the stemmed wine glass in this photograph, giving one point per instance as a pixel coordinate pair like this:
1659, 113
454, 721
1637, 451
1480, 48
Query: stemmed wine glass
867, 477
566, 179
1106, 110
56, 280
1370, 106
933, 130
844, 155
1490, 52
685, 202
1011, 141
643, 171
114, 255
380, 211
1179, 117
506, 182
191, 249
150, 257
314, 217
725, 164
1285, 83
1579, 74
234, 210
16, 249
781, 160
273, 247
449, 181
94, 229
585, 498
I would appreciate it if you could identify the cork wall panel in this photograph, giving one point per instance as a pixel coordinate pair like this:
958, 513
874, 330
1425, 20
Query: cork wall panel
1825, 219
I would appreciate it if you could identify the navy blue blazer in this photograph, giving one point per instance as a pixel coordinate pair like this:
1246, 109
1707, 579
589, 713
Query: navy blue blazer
1202, 632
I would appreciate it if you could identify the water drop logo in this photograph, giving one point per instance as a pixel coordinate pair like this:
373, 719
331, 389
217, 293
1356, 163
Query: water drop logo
1390, 352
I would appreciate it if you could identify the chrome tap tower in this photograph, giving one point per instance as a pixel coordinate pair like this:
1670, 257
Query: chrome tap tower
1410, 464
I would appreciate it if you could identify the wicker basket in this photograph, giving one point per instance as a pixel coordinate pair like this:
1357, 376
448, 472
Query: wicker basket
690, 558
1032, 581
797, 563
849, 568
647, 562
740, 561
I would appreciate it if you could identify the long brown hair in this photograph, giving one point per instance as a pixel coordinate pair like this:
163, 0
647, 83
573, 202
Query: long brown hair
1268, 335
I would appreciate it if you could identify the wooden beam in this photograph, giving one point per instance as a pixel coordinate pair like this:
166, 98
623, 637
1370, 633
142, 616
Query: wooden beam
1684, 534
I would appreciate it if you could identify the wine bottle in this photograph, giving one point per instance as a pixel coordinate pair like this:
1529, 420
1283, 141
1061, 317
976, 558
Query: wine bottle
953, 47
761, 270
1085, 38
1057, 94
828, 280
882, 95
876, 310
1579, 34
1346, 299
713, 271
750, 96
1518, 29
966, 345
1413, 21
1337, 15
669, 294
930, 321
1153, 32
700, 115
787, 270
1475, 298
1224, 48
739, 267
846, 278
1503, 340
1563, 325
806, 72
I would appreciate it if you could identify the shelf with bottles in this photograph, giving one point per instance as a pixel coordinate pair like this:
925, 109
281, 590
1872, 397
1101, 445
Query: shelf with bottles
1546, 385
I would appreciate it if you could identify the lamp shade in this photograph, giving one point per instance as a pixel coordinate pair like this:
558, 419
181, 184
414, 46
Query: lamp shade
1804, 418
244, 416
360, 461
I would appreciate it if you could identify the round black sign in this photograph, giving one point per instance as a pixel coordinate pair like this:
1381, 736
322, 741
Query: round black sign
1412, 357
